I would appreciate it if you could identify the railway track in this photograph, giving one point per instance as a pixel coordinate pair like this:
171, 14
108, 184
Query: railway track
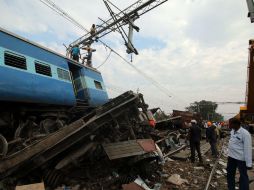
224, 144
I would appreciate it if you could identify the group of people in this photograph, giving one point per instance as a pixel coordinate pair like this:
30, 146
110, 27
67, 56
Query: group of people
75, 51
76, 55
239, 149
195, 136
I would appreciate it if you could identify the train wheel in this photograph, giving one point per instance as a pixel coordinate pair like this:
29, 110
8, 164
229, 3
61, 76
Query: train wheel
50, 125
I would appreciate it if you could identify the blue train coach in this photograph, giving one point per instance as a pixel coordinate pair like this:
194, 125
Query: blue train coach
30, 73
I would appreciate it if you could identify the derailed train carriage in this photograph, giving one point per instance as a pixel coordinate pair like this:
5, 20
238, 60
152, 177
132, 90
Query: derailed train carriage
41, 86
58, 125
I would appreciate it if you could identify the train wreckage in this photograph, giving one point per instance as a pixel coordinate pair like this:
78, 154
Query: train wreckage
58, 126
109, 145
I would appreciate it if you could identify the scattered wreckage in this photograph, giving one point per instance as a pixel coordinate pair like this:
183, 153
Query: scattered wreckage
109, 146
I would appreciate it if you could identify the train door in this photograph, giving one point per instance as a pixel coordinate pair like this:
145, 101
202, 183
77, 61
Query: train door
75, 71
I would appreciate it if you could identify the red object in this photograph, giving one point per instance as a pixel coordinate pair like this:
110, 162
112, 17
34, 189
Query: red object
152, 123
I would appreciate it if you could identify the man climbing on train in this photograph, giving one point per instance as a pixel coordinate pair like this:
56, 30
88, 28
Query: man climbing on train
88, 57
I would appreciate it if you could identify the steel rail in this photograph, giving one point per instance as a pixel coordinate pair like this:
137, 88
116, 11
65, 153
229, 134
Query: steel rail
175, 151
214, 167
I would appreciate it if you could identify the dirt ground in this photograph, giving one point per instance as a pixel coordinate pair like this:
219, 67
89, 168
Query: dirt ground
197, 175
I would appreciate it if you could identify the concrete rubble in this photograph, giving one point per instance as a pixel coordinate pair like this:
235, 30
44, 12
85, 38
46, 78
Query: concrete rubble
176, 179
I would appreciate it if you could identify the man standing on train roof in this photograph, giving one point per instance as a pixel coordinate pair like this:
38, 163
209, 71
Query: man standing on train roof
239, 155
195, 138
75, 53
88, 57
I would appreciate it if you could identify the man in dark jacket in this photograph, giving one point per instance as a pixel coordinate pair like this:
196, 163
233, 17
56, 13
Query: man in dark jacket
211, 137
195, 138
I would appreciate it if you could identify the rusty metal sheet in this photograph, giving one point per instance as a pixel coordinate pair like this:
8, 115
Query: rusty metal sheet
131, 186
129, 148
250, 82
148, 145
123, 149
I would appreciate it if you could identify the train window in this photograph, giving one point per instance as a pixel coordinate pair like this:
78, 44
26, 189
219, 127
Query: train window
14, 60
42, 68
62, 74
98, 85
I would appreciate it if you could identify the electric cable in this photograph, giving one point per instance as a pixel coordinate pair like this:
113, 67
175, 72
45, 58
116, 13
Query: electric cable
105, 60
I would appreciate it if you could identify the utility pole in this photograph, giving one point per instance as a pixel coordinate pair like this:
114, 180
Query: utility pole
250, 5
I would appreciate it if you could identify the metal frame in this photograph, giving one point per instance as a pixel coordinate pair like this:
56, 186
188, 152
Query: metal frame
250, 5
134, 11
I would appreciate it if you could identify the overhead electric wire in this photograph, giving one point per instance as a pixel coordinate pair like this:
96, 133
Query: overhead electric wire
62, 13
105, 60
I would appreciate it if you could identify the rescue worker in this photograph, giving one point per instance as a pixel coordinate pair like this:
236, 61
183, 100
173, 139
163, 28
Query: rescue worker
211, 137
93, 32
217, 130
239, 155
195, 138
75, 53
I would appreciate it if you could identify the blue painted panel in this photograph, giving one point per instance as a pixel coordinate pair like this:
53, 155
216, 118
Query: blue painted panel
22, 86
88, 91
94, 97
90, 83
92, 74
97, 97
30, 62
20, 46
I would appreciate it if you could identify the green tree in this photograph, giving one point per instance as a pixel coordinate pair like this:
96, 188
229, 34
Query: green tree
206, 109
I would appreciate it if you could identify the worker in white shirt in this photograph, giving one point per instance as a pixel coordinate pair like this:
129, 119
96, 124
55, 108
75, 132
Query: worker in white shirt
239, 155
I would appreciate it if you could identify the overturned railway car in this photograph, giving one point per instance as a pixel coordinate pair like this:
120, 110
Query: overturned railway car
41, 90
57, 124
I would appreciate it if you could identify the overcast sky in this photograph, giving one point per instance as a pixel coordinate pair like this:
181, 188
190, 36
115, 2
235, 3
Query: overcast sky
196, 49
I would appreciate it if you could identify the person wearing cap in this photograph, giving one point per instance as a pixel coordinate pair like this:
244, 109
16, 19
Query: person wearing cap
195, 138
239, 155
211, 137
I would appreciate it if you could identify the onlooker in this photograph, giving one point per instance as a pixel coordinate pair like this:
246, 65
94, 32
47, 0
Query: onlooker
75, 53
211, 137
195, 138
239, 155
